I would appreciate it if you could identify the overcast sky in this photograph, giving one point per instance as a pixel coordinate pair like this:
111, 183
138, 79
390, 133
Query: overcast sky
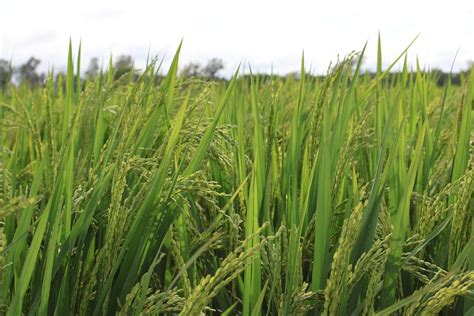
265, 34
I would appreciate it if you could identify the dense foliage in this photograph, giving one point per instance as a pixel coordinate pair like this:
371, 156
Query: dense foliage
336, 195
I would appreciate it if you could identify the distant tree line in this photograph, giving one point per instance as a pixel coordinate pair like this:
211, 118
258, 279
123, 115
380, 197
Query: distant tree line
28, 74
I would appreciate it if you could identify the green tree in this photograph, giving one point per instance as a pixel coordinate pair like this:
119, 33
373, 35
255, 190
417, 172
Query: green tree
93, 69
212, 67
191, 70
28, 72
208, 71
123, 65
6, 72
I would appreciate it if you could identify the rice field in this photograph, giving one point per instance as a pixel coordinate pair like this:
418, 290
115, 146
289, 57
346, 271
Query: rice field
343, 194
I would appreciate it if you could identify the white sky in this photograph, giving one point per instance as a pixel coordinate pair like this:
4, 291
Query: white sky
266, 34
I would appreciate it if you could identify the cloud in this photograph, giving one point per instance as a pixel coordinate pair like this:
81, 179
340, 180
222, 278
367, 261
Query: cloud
104, 14
267, 34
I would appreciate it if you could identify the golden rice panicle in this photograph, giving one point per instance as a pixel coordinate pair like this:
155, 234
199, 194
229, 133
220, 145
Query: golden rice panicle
3, 243
229, 269
340, 263
462, 215
176, 252
434, 302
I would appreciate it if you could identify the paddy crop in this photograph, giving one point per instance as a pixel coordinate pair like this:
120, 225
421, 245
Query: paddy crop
343, 194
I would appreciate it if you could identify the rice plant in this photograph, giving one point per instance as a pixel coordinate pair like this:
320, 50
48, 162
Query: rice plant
343, 194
